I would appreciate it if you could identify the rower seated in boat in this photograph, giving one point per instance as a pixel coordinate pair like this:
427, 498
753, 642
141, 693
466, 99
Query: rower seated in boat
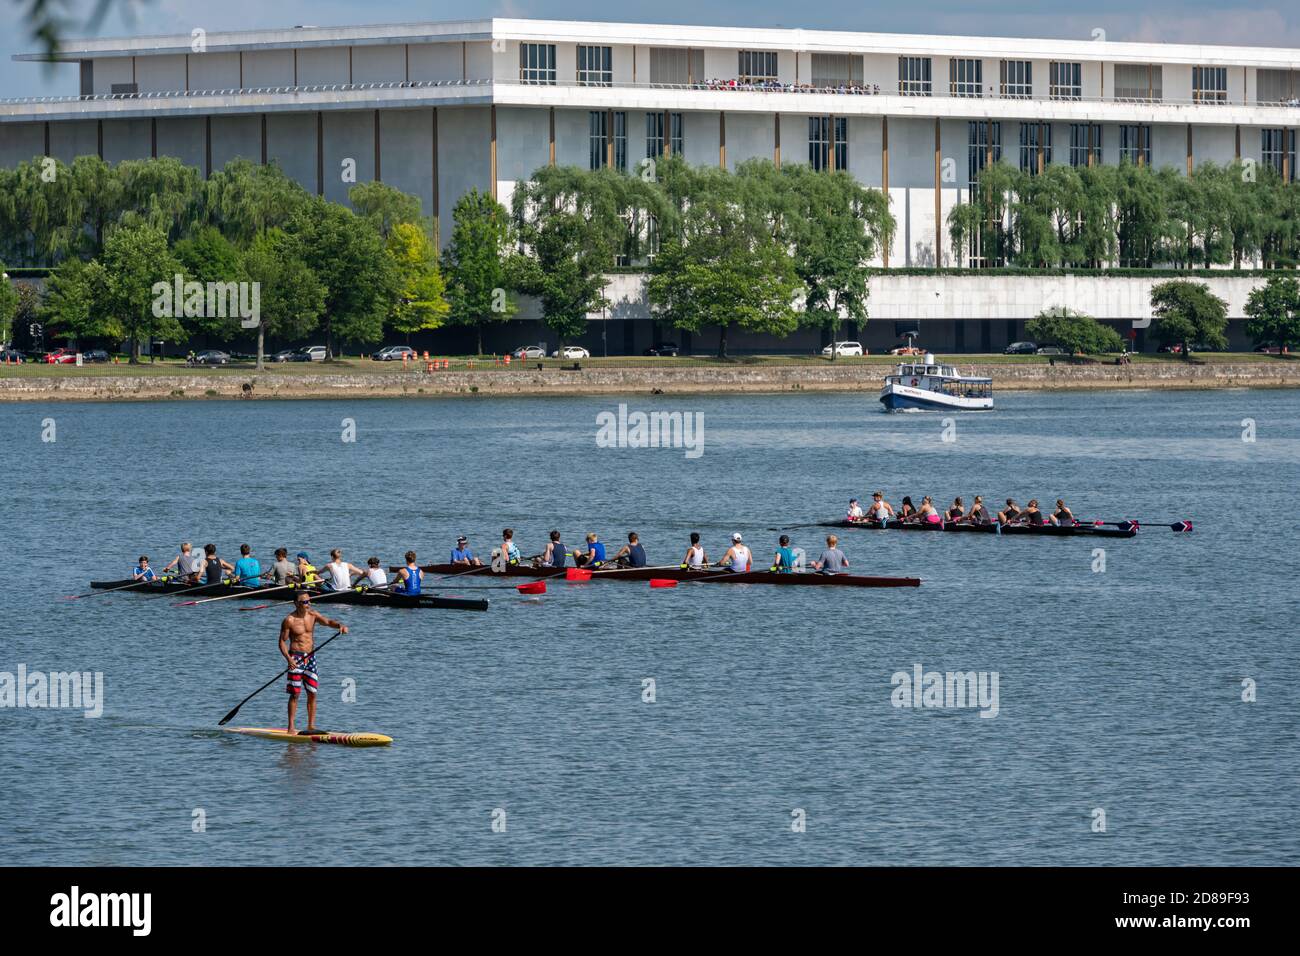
786, 559
594, 556
957, 510
1063, 515
248, 570
907, 510
695, 558
142, 571
306, 572
738, 557
832, 560
880, 509
214, 568
506, 555
979, 514
927, 513
1011, 514
340, 571
461, 554
376, 576
855, 511
187, 564
410, 577
632, 554
1031, 515
283, 571
554, 555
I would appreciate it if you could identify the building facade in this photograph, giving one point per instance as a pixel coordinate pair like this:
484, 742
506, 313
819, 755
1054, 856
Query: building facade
436, 109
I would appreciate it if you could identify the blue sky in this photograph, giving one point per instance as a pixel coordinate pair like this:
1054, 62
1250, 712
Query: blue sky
1266, 23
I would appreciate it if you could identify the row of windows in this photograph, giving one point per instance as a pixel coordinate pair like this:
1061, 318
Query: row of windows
1133, 81
828, 143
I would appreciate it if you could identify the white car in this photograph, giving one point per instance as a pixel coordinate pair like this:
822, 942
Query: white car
312, 353
571, 352
529, 352
845, 348
393, 353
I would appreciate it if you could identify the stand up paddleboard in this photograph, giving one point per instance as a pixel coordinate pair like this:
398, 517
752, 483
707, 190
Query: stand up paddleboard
324, 737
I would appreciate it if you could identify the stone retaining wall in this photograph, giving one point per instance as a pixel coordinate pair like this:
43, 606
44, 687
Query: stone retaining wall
683, 380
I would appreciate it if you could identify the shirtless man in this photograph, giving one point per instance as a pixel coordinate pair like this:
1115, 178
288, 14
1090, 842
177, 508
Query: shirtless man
297, 642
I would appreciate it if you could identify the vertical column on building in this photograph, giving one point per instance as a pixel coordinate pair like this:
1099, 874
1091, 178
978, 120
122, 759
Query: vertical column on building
830, 136
1090, 144
1238, 144
153, 137
320, 153
609, 138
884, 172
492, 152
47, 138
722, 139
207, 147
99, 137
551, 143
1039, 157
1189, 149
1286, 154
437, 219
668, 133
379, 176
776, 139
938, 198
263, 139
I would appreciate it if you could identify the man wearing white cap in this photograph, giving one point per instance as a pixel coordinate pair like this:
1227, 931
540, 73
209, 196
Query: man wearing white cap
737, 557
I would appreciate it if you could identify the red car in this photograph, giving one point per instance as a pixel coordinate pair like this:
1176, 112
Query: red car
61, 357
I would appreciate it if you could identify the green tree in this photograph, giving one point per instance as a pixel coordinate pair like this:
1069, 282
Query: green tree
8, 304
384, 206
476, 264
1074, 332
1187, 313
76, 296
291, 297
421, 301
135, 258
244, 199
348, 256
206, 257
1274, 313
164, 193
723, 266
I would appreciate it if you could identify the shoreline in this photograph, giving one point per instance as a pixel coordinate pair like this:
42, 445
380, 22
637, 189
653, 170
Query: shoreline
222, 384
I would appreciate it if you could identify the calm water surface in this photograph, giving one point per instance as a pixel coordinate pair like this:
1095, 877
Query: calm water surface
1119, 691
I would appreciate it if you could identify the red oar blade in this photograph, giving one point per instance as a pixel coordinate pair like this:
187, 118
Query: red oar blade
577, 574
533, 587
663, 583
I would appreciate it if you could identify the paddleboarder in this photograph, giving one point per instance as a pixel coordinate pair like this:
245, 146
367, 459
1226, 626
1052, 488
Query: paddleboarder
297, 645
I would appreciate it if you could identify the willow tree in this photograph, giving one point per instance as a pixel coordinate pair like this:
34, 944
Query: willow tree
244, 199
476, 260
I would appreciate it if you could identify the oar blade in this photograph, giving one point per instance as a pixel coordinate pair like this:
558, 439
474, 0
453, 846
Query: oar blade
663, 583
533, 587
577, 574
1181, 527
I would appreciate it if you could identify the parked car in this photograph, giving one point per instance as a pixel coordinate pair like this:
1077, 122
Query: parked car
394, 353
212, 357
571, 352
1020, 348
284, 355
907, 350
845, 348
662, 348
95, 355
61, 357
1272, 350
529, 352
309, 353
11, 355
1050, 350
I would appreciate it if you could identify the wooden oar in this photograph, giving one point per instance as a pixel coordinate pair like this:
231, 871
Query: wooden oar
316, 597
237, 594
120, 587
231, 716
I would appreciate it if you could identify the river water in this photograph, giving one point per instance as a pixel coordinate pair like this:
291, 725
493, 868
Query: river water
612, 723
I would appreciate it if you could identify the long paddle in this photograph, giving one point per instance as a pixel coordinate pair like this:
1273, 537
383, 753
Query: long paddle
227, 597
1178, 527
231, 716
318, 597
120, 587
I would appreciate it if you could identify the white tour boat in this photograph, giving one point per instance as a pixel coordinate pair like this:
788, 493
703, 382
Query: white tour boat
915, 386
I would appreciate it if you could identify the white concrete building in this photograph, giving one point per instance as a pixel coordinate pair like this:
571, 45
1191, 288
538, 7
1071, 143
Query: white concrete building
438, 108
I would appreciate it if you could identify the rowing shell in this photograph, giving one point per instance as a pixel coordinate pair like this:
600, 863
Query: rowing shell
1042, 530
712, 576
361, 598
280, 733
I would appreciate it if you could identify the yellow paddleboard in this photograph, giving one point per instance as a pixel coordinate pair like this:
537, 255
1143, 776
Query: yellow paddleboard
347, 740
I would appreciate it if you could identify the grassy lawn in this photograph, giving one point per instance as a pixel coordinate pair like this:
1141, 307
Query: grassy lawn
365, 366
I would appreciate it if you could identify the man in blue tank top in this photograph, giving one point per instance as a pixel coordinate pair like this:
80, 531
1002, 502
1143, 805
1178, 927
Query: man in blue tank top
632, 554
409, 578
